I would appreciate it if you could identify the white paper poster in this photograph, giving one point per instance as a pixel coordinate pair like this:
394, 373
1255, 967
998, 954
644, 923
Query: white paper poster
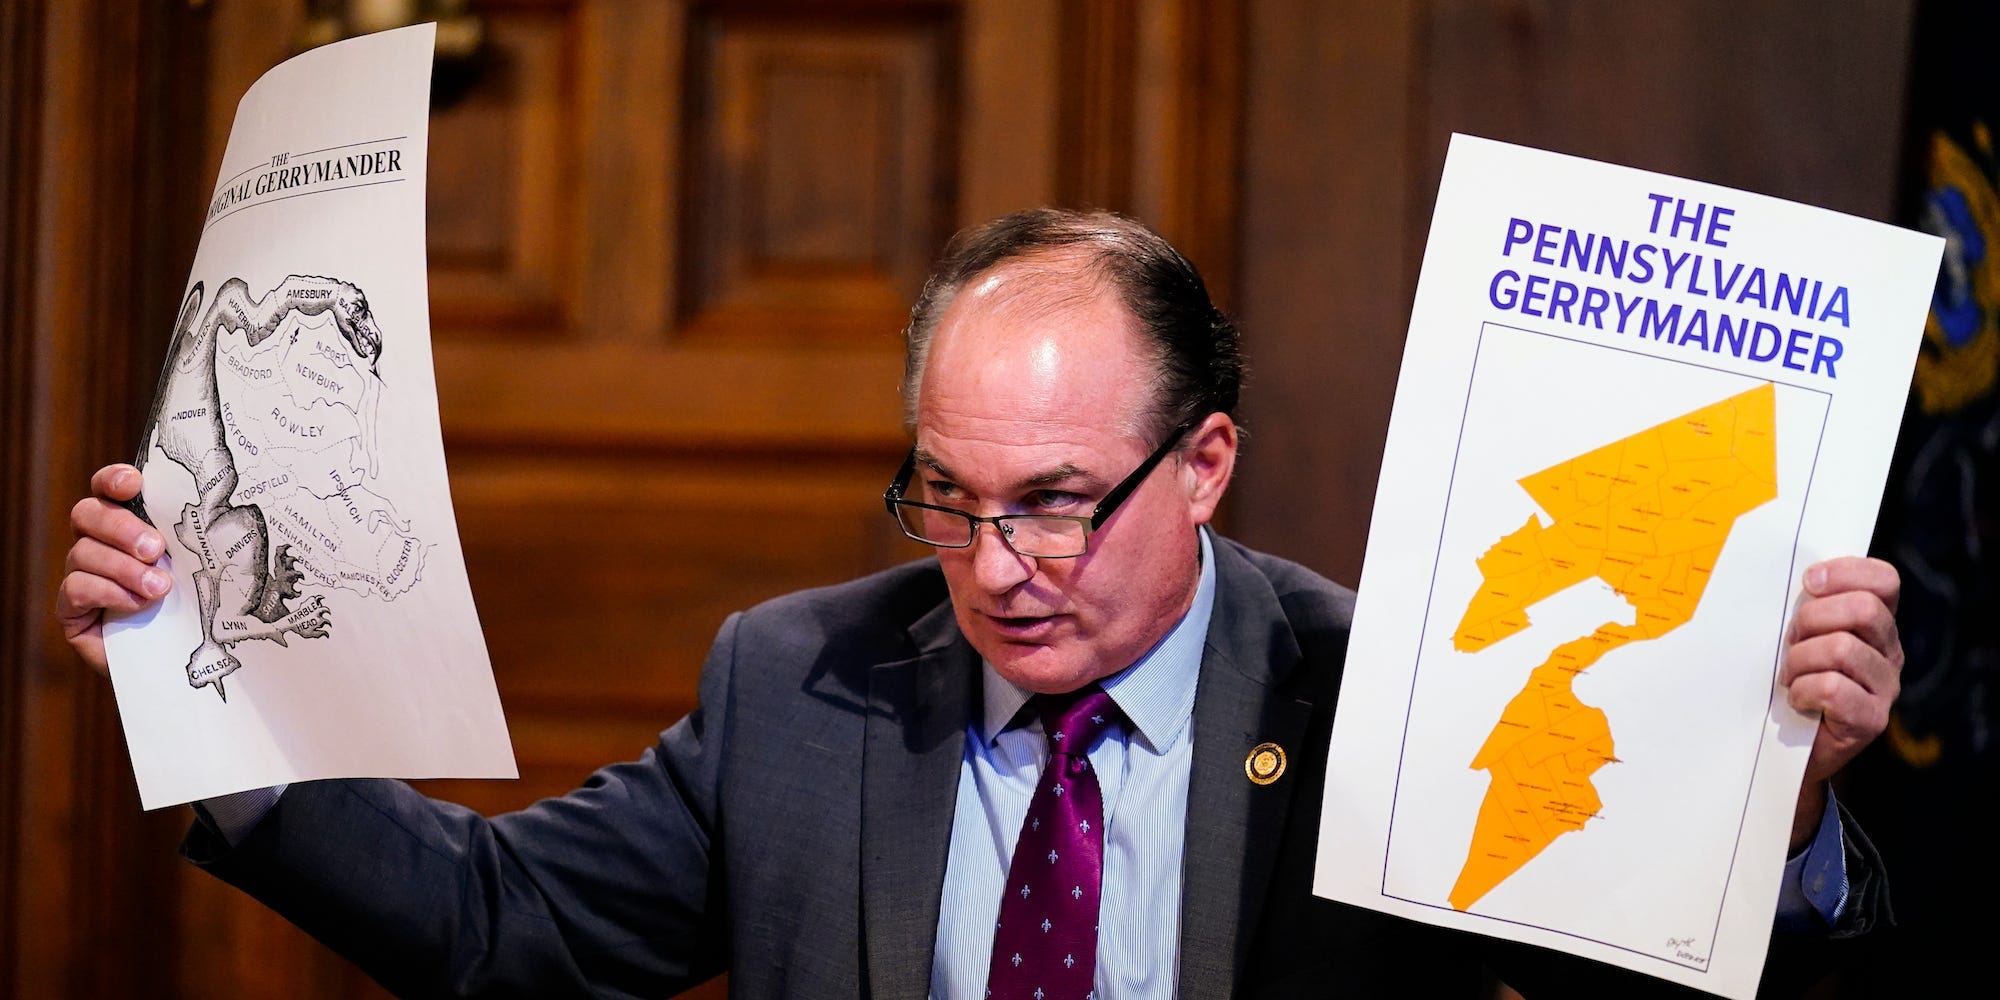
320, 624
1632, 410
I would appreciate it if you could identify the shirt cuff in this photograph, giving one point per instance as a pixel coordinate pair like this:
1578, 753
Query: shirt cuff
1813, 893
236, 814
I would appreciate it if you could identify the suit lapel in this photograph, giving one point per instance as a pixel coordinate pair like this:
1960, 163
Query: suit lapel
915, 740
1233, 825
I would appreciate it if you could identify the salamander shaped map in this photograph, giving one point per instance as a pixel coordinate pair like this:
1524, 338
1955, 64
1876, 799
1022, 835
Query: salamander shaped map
1648, 515
269, 403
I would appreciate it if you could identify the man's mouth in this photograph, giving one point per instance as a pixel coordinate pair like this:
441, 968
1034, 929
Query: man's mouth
1023, 628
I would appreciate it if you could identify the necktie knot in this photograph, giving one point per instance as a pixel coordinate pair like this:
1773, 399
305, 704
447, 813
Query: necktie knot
1074, 721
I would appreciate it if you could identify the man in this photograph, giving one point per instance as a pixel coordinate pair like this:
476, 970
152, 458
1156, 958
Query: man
841, 816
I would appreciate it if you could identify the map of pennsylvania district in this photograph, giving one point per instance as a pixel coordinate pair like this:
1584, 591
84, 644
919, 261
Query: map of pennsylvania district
1648, 515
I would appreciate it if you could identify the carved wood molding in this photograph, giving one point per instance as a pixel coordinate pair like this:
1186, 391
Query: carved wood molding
93, 118
1099, 57
20, 95
1151, 121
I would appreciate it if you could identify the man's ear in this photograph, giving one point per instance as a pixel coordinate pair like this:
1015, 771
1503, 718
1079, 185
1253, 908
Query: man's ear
1209, 461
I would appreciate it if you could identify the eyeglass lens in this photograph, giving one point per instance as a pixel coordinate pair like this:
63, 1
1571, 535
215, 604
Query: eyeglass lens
1027, 534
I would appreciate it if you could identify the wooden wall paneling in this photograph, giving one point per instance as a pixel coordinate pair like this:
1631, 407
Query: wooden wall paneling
252, 36
1328, 262
1791, 99
536, 396
21, 27
661, 369
1098, 108
94, 126
1187, 131
1161, 63
621, 604
630, 133
702, 465
1008, 116
502, 229
821, 174
1150, 120
1351, 109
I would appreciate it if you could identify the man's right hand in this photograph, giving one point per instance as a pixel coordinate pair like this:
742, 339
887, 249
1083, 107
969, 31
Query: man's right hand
111, 565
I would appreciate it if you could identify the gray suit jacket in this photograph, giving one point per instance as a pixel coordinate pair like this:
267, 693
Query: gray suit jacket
793, 830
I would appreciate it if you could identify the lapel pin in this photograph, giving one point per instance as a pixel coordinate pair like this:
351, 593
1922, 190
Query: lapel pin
1265, 764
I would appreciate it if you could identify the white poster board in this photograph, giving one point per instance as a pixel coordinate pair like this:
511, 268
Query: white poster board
1633, 409
320, 623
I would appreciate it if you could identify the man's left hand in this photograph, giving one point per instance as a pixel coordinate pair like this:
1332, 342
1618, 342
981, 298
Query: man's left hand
1844, 661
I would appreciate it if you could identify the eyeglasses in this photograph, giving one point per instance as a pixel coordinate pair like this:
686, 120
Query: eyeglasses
1037, 536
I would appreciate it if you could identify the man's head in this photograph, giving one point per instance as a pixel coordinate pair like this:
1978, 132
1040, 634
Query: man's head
1049, 354
1196, 354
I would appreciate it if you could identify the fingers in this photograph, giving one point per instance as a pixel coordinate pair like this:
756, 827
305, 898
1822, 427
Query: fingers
81, 598
80, 602
116, 482
1859, 615
107, 522
1850, 573
92, 558
1832, 671
1850, 718
1847, 625
109, 567
1844, 658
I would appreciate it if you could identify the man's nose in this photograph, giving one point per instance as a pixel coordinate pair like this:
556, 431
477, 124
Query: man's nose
995, 567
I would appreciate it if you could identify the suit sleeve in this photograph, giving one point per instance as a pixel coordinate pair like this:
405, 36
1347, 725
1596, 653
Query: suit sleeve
611, 890
1868, 906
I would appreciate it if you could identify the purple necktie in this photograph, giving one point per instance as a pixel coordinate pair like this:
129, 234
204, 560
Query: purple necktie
1045, 947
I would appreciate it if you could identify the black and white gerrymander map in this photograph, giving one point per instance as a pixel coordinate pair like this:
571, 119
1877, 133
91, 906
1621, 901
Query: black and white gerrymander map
320, 623
285, 463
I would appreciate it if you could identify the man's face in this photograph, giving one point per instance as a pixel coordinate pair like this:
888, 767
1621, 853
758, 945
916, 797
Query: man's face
1034, 400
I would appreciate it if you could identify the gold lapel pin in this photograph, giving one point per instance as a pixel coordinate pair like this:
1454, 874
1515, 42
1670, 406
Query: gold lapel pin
1265, 764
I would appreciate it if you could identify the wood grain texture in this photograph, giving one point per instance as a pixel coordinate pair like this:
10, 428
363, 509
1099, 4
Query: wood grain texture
820, 174
1328, 262
504, 245
20, 133
85, 129
1351, 106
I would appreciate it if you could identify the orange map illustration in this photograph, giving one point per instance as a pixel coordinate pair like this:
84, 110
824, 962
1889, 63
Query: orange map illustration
1648, 515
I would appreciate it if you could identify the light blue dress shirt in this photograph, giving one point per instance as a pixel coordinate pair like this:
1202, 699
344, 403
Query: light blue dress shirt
1143, 771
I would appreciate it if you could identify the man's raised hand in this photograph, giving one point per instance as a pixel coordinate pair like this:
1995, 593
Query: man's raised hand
1843, 661
110, 567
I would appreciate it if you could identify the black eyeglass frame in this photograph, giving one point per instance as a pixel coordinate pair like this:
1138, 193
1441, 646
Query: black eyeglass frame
893, 498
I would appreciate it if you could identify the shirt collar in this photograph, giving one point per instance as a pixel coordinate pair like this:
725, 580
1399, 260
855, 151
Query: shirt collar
1156, 693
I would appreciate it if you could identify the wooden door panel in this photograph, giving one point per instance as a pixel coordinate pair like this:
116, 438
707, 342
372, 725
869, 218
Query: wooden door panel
821, 171
503, 243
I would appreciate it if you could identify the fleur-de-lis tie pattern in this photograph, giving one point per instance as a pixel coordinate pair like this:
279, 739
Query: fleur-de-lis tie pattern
1045, 946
